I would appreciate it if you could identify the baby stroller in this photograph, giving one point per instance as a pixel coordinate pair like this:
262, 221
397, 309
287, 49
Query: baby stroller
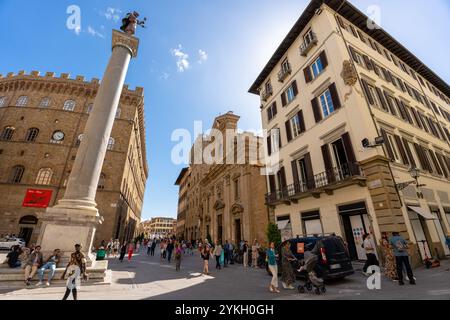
311, 280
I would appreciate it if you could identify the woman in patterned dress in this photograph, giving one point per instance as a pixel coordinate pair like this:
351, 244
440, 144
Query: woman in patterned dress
390, 269
287, 272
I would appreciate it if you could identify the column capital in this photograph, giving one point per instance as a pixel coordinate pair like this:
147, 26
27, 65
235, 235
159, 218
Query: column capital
124, 40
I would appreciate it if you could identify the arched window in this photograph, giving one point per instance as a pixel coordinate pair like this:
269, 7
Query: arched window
69, 105
44, 176
102, 181
45, 103
111, 143
89, 108
22, 101
32, 135
16, 174
7, 133
2, 101
79, 139
118, 113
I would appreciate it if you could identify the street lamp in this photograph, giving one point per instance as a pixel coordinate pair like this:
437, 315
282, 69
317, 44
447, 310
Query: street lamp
415, 174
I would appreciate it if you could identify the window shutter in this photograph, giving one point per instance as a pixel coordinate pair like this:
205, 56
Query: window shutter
328, 164
361, 36
425, 157
408, 113
351, 158
401, 109
279, 138
387, 144
367, 91
409, 153
389, 76
402, 85
288, 130
295, 174
341, 22
316, 109
436, 164
283, 177
334, 96
295, 88
368, 62
301, 121
283, 99
420, 156
323, 59
269, 113
447, 161
353, 31
381, 98
269, 145
353, 54
272, 184
416, 117
274, 109
375, 68
389, 103
442, 163
309, 172
421, 117
307, 73
401, 149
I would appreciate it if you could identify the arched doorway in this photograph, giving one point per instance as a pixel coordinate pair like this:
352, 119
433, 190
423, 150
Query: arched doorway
27, 225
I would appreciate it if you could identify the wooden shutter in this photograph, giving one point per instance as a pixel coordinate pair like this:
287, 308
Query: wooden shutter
301, 120
269, 145
385, 74
375, 69
353, 54
353, 31
402, 85
441, 160
308, 74
288, 130
401, 109
328, 164
269, 113
272, 183
295, 88
361, 36
368, 62
416, 117
382, 99
351, 158
310, 183
436, 164
367, 91
323, 59
334, 96
283, 99
283, 178
389, 103
408, 113
316, 109
274, 109
340, 21
295, 174
420, 156
409, 153
401, 149
387, 144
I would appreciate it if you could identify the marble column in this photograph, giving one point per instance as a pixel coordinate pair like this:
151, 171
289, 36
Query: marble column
75, 217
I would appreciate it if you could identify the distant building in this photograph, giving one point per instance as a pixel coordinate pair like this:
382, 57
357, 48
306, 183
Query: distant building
159, 227
42, 119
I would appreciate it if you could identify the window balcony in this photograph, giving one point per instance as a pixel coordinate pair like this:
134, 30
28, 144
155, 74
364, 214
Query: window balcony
285, 71
267, 93
308, 44
324, 182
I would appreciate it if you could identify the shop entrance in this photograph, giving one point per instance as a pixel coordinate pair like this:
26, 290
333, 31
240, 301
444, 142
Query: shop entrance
440, 229
418, 218
356, 223
27, 225
237, 231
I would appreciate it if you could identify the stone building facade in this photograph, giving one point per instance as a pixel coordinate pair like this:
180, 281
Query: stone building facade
159, 227
42, 119
329, 95
224, 200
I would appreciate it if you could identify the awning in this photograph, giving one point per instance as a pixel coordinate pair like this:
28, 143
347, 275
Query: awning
282, 224
422, 212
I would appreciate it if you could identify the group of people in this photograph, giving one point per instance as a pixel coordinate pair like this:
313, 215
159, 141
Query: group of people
32, 261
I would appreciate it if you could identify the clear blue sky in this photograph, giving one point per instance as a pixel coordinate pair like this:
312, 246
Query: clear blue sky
236, 39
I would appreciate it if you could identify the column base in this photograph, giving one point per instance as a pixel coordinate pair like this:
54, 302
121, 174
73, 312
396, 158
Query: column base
62, 228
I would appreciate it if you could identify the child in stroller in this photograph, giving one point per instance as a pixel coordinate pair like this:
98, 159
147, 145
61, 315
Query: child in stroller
307, 266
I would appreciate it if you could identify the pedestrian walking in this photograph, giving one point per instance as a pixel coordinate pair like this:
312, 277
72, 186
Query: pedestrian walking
370, 253
287, 272
75, 268
389, 259
400, 247
149, 247
255, 253
163, 249
178, 255
245, 253
116, 247
271, 258
152, 248
205, 254
170, 248
123, 251
218, 253
130, 252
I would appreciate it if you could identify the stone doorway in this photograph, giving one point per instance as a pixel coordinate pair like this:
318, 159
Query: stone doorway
27, 225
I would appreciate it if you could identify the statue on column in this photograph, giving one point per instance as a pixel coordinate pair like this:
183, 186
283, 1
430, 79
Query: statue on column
130, 23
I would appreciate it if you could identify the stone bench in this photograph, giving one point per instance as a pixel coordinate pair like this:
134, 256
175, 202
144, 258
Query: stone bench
98, 274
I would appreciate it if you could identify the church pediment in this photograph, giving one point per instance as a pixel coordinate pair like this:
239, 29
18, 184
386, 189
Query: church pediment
219, 205
237, 209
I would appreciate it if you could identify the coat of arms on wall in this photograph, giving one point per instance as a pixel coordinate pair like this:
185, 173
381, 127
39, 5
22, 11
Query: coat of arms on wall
350, 77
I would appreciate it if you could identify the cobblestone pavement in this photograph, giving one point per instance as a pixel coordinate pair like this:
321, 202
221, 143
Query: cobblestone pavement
150, 278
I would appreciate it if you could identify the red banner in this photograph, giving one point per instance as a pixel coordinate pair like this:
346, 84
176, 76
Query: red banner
37, 198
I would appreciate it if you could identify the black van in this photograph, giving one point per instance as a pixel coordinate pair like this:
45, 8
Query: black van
334, 260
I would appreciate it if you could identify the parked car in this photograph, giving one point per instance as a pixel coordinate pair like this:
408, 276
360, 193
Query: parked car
8, 243
334, 260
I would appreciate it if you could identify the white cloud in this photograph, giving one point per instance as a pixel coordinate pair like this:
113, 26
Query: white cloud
165, 76
203, 56
94, 32
182, 58
112, 14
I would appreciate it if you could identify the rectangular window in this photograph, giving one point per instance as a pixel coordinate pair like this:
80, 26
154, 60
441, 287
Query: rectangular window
308, 37
326, 103
295, 126
272, 111
394, 149
275, 140
376, 100
290, 94
317, 68
285, 66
